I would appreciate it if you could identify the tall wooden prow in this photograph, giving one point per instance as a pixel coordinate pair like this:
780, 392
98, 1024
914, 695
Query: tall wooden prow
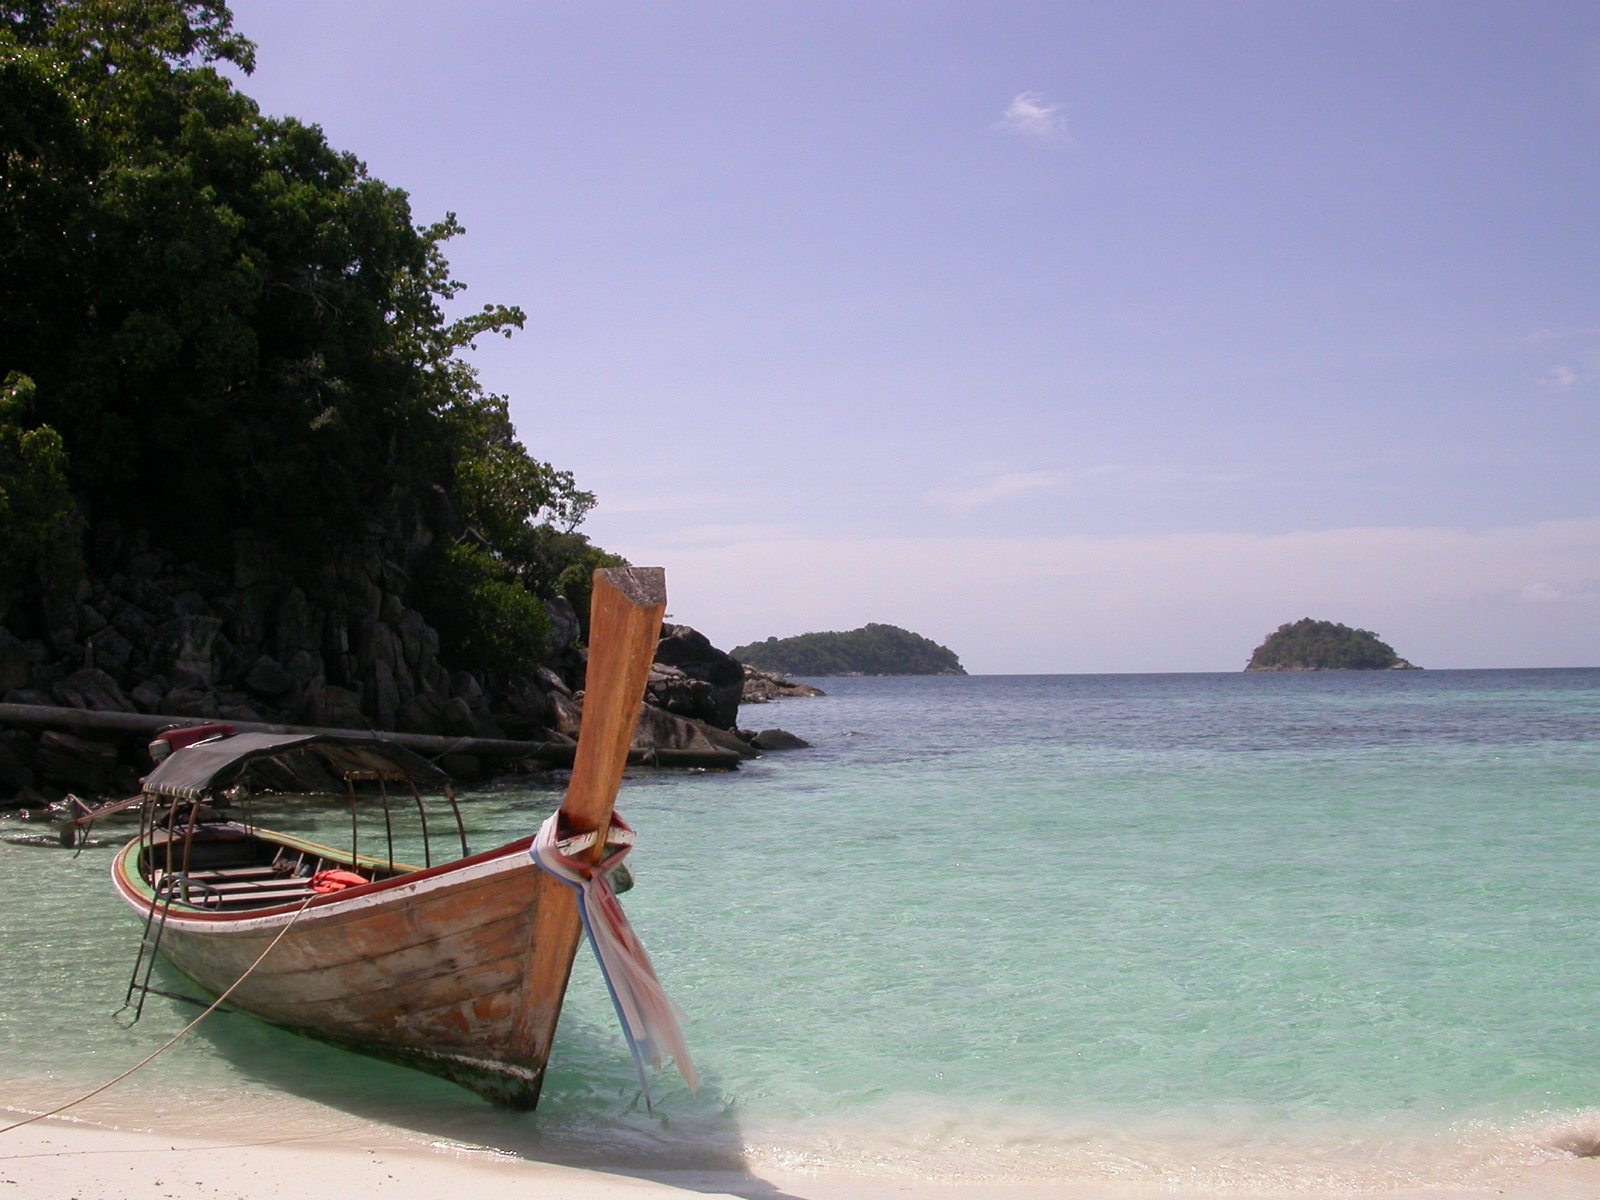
624, 628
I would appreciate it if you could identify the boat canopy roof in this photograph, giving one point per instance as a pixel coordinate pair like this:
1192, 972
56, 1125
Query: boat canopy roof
295, 762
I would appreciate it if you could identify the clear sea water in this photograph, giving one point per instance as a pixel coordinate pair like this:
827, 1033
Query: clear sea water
1294, 931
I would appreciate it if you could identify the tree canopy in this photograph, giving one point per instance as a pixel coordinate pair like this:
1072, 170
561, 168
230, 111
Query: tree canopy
871, 650
216, 320
1308, 645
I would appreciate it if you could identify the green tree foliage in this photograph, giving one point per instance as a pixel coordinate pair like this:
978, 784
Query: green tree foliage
1308, 645
485, 619
230, 323
576, 581
38, 520
513, 502
870, 650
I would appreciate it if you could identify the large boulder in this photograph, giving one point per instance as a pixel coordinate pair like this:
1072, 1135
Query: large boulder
777, 739
672, 691
527, 710
696, 660
90, 688
330, 707
566, 714
661, 730
564, 626
17, 660
267, 679
108, 649
81, 764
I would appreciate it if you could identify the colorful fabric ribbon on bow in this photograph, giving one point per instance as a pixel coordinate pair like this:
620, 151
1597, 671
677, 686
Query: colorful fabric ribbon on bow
650, 1020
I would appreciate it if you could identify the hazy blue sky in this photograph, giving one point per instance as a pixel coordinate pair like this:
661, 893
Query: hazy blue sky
1077, 337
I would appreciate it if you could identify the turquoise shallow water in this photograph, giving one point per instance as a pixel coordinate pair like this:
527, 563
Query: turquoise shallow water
1237, 929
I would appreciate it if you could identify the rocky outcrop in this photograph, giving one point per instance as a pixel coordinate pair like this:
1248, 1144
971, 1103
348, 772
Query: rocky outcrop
762, 687
243, 642
240, 640
152, 634
695, 679
661, 730
776, 739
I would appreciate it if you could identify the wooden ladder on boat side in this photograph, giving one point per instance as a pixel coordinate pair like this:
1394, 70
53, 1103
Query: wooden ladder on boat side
166, 890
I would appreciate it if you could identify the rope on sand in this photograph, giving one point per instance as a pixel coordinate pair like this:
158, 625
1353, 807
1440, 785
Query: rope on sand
178, 1037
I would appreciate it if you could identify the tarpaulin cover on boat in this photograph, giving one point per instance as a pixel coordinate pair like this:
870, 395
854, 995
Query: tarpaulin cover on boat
208, 766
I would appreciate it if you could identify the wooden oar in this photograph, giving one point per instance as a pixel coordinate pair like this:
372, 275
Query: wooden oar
624, 628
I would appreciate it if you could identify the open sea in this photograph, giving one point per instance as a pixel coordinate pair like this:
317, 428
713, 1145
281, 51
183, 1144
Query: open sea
1300, 932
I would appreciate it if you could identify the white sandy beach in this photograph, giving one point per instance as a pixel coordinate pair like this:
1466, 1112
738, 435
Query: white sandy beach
71, 1160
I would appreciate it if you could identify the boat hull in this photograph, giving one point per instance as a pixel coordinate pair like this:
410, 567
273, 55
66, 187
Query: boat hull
429, 969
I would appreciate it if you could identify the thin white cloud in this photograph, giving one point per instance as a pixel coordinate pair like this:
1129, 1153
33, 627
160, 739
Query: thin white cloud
1578, 592
1581, 372
667, 500
1030, 116
1560, 378
983, 487
1166, 475
732, 533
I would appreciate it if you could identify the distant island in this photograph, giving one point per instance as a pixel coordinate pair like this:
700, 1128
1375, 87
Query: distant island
1309, 645
871, 650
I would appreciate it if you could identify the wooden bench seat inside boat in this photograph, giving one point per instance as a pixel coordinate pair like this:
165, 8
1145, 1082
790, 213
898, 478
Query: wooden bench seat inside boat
227, 868
259, 871
240, 888
247, 887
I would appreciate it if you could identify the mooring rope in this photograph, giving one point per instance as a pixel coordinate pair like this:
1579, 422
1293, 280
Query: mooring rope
649, 1018
178, 1037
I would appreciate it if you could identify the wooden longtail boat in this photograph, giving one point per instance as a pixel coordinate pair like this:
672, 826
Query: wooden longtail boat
457, 969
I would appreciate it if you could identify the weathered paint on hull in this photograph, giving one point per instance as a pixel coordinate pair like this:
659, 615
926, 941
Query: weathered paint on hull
427, 970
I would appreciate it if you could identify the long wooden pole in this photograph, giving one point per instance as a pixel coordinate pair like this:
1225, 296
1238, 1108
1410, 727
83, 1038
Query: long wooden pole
624, 628
94, 723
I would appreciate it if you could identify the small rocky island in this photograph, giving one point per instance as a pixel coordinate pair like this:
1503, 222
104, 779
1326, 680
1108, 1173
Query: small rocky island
1308, 645
871, 650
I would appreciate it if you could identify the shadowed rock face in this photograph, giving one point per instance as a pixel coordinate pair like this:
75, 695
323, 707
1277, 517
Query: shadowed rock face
148, 632
151, 633
698, 680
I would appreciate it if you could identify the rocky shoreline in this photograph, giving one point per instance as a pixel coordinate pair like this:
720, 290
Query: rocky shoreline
1402, 665
152, 635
